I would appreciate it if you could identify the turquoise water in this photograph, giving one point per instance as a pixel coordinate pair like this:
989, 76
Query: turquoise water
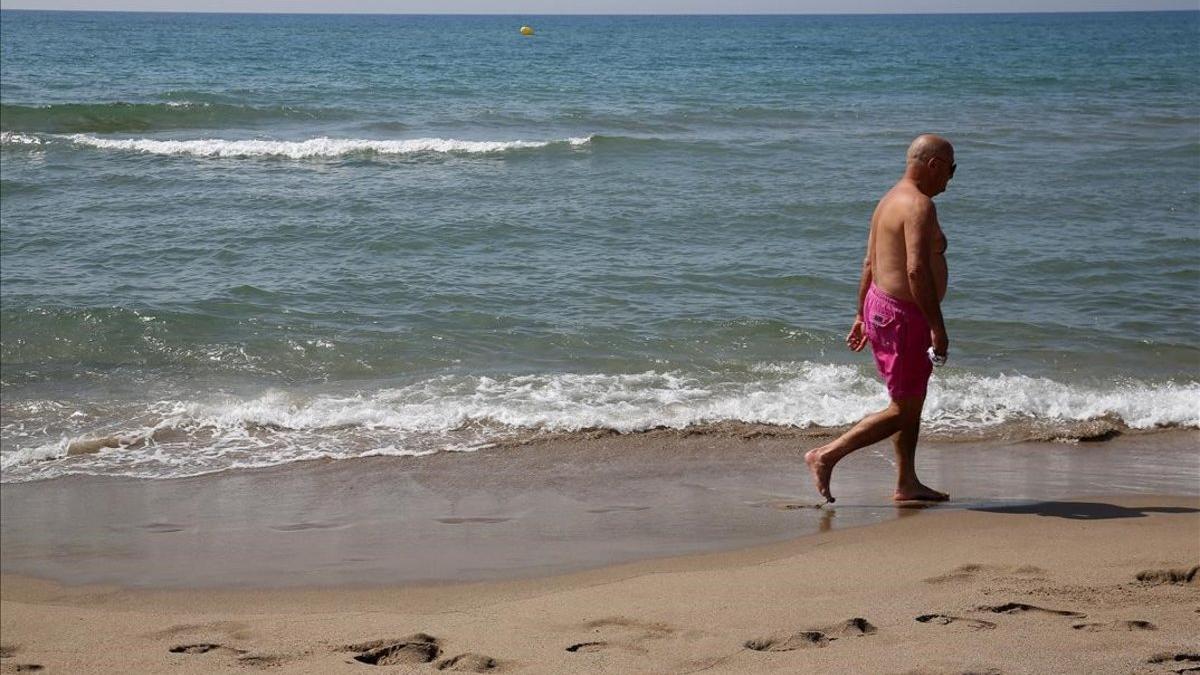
237, 240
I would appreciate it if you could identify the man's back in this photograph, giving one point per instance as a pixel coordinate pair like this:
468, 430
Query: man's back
904, 205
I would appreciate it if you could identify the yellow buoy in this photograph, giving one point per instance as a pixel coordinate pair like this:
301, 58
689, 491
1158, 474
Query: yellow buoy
526, 30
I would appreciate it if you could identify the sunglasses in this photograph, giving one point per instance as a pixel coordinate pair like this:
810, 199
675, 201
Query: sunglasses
953, 167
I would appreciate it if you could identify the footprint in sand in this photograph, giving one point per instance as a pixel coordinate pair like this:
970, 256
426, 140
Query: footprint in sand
262, 660
9, 651
620, 632
1115, 626
1189, 661
946, 620
468, 663
973, 572
803, 640
855, 627
587, 647
416, 648
203, 648
1021, 608
1177, 576
808, 639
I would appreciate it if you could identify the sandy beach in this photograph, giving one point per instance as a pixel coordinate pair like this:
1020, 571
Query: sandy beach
1044, 579
344, 336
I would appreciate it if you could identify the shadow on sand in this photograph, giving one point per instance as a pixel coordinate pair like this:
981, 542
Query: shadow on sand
1084, 510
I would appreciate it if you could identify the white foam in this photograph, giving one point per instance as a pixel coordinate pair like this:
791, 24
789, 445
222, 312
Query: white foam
322, 147
973, 401
463, 413
17, 138
34, 454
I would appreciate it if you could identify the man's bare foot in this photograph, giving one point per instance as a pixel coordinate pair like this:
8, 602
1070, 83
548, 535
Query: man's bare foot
821, 472
919, 492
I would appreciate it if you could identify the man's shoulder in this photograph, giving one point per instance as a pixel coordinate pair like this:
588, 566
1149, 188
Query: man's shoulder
907, 198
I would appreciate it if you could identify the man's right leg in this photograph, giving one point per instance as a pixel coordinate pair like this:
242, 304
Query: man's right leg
908, 486
871, 429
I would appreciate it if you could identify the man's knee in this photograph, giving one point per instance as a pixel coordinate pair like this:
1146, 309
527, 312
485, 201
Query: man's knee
908, 409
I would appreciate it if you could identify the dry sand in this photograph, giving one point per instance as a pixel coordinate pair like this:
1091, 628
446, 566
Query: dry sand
1050, 587
1020, 587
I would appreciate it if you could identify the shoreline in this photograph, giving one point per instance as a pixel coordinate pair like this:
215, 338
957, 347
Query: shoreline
47, 438
942, 592
524, 511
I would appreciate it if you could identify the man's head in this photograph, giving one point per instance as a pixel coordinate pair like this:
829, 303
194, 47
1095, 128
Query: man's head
931, 163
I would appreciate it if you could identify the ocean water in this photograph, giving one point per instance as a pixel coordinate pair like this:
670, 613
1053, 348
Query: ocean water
231, 241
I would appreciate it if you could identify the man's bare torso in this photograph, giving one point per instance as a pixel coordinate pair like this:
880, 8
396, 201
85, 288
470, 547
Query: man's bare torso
889, 257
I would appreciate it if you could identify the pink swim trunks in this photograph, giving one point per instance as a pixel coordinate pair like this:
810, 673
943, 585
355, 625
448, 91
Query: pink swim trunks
900, 340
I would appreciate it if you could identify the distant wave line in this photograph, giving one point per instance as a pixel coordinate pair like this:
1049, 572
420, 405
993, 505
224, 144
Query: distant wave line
17, 138
134, 117
321, 147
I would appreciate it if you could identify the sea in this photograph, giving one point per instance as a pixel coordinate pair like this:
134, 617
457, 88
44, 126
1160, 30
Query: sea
231, 241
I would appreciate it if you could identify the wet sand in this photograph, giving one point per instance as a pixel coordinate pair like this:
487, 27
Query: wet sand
727, 569
532, 510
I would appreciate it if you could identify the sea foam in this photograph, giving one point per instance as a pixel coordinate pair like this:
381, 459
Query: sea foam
187, 437
17, 138
322, 147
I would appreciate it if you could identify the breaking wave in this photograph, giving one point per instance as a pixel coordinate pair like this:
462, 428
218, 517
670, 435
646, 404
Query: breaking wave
322, 147
180, 438
17, 138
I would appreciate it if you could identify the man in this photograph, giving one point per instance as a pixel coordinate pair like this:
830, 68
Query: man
899, 312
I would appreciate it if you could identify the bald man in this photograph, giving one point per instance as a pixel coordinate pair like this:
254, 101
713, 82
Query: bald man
899, 313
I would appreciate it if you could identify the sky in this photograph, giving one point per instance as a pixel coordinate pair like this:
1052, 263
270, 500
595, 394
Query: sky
608, 6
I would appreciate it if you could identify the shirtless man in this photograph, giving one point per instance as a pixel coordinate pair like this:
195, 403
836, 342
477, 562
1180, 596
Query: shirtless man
899, 312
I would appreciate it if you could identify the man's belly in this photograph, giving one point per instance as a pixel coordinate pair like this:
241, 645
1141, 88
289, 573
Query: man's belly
895, 284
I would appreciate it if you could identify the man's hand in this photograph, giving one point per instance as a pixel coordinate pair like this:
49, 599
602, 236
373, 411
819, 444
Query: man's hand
857, 339
941, 342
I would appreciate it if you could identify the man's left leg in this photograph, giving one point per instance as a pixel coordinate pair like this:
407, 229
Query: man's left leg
908, 486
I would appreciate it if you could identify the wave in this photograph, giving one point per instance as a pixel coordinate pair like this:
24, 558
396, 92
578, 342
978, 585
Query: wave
16, 138
182, 437
313, 148
132, 117
325, 147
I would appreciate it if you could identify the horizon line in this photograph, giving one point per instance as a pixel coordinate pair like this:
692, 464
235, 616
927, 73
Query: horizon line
612, 14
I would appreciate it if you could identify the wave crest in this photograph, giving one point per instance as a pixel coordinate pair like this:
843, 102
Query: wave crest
16, 138
313, 148
177, 438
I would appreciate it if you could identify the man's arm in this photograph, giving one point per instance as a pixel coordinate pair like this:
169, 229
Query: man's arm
857, 339
864, 283
920, 229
